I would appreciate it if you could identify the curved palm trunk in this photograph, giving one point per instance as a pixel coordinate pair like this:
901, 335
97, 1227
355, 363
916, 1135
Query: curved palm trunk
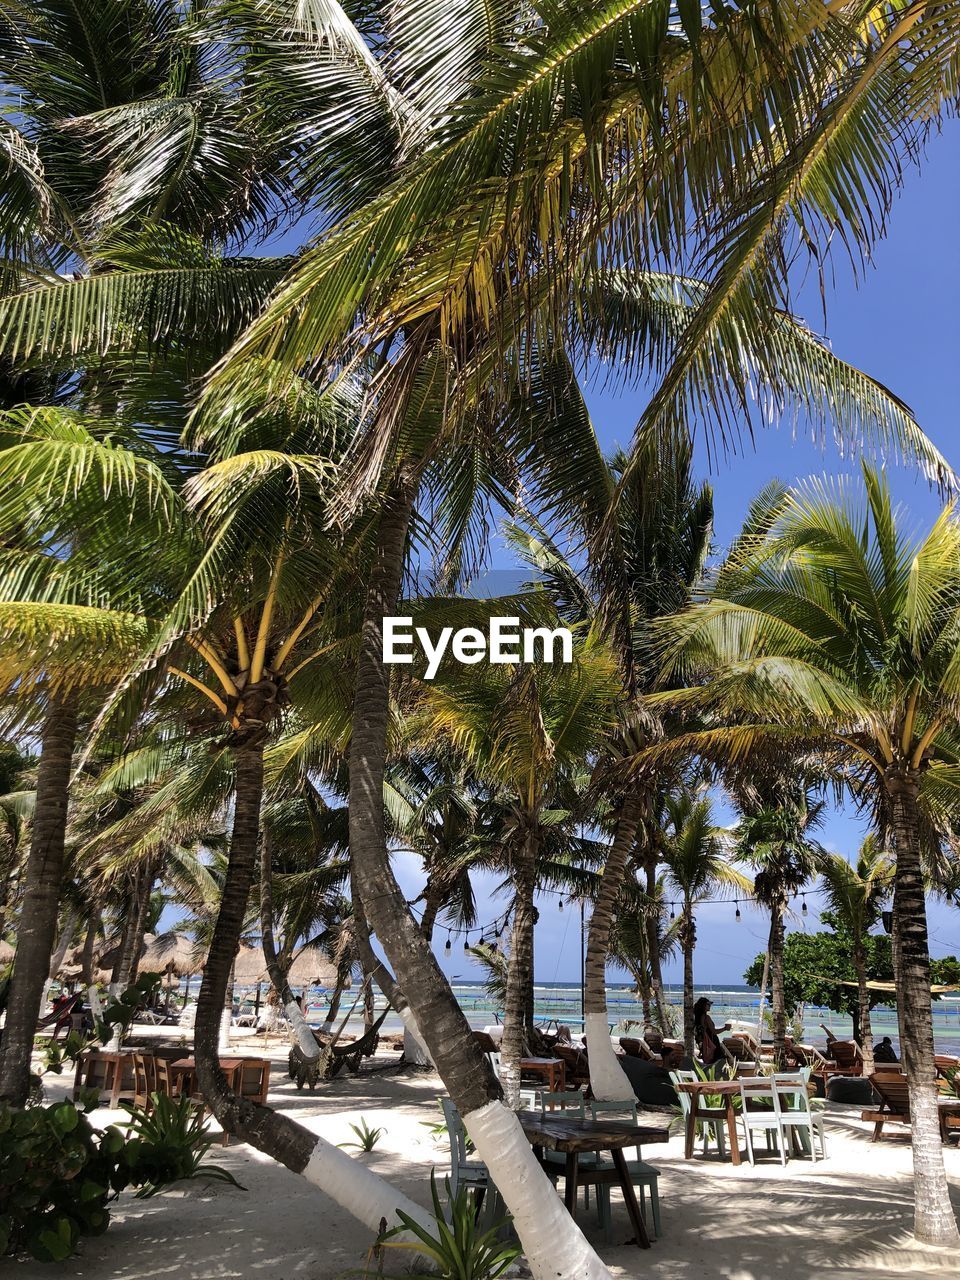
414, 1047
300, 1032
554, 1245
777, 1002
67, 931
519, 972
354, 1187
608, 1081
934, 1220
86, 966
653, 945
864, 1029
335, 998
41, 899
689, 941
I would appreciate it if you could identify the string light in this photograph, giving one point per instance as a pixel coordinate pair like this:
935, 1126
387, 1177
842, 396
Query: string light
466, 945
448, 945
673, 914
803, 909
738, 917
560, 904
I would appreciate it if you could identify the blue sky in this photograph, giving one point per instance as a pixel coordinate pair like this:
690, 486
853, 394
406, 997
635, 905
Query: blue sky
899, 325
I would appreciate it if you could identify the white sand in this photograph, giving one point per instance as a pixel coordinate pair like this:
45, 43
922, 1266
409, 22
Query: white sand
848, 1217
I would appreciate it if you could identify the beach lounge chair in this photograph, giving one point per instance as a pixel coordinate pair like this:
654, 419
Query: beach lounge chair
577, 1067
848, 1058
636, 1048
643, 1175
894, 1101
760, 1110
714, 1120
795, 1112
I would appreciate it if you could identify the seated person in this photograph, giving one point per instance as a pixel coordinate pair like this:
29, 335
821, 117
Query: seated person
884, 1051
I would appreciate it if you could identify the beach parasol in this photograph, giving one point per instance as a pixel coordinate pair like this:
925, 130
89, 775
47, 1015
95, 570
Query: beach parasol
172, 954
310, 967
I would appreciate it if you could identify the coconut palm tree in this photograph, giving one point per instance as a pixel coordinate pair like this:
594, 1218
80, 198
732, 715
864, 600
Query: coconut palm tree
697, 866
855, 895
775, 839
520, 728
831, 629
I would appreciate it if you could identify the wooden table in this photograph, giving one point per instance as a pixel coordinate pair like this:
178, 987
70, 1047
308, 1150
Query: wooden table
552, 1070
728, 1091
555, 1131
187, 1067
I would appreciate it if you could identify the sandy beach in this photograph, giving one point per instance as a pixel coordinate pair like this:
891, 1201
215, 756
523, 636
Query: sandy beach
847, 1217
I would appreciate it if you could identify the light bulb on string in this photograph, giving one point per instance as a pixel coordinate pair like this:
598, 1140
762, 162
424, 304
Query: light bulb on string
560, 904
448, 946
673, 914
803, 909
466, 945
738, 917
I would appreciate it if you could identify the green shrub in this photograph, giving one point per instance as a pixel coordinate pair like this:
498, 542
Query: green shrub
58, 1173
461, 1248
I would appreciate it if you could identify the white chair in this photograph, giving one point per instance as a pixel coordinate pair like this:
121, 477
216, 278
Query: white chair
713, 1121
760, 1109
529, 1097
795, 1112
642, 1175
463, 1170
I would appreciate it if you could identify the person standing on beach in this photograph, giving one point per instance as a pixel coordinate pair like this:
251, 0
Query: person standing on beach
706, 1034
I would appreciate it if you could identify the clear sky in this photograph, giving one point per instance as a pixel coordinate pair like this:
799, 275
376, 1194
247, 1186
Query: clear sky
901, 326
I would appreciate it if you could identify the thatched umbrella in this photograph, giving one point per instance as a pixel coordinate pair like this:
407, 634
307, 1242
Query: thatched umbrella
172, 954
310, 968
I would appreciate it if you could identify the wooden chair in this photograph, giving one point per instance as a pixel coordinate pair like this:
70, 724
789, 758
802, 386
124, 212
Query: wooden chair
894, 1101
255, 1081
713, 1119
848, 1058
144, 1080
577, 1067
165, 1081
486, 1042
643, 1175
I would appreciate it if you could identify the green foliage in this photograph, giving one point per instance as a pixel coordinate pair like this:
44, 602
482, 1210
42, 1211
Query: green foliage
58, 1173
367, 1138
168, 1145
815, 965
119, 1013
461, 1248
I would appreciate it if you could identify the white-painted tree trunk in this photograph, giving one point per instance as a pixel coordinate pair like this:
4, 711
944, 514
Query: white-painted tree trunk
44, 997
608, 1080
300, 1032
226, 1017
414, 1049
555, 1246
365, 1195
93, 1000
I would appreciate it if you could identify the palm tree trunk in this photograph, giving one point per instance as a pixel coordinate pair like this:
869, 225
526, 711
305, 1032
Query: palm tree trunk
689, 942
414, 1046
519, 969
67, 931
777, 1000
40, 901
653, 944
934, 1221
863, 1006
554, 1245
86, 966
607, 1079
335, 998
300, 1032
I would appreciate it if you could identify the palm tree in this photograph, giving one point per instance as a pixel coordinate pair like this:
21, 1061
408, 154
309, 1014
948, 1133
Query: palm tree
697, 866
855, 895
775, 839
520, 728
831, 629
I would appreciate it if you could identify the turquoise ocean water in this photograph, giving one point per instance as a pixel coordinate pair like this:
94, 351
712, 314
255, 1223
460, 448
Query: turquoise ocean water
561, 1001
